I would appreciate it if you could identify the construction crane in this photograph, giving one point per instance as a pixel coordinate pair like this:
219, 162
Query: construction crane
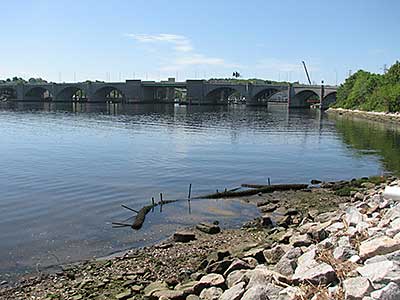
305, 69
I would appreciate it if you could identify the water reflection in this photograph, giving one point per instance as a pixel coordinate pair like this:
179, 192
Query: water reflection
370, 138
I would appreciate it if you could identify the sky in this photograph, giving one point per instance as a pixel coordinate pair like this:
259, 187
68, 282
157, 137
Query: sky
71, 40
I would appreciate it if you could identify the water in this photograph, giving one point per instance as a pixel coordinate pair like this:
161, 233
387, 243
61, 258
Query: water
65, 170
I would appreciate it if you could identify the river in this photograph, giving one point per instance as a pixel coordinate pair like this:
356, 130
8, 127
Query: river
66, 169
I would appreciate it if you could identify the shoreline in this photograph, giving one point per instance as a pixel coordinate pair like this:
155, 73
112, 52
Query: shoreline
171, 264
370, 115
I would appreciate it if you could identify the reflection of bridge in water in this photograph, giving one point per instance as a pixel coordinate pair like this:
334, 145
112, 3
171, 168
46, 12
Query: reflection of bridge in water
188, 92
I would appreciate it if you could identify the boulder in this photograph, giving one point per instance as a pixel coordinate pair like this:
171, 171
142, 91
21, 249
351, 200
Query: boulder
394, 228
300, 240
154, 287
219, 267
212, 293
184, 236
353, 216
356, 288
256, 253
234, 293
257, 292
235, 277
210, 280
270, 207
208, 228
192, 297
187, 287
237, 264
288, 262
378, 246
266, 221
381, 272
290, 293
273, 255
389, 292
169, 294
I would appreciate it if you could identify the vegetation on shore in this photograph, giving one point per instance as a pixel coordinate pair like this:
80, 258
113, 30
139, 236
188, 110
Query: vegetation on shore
371, 92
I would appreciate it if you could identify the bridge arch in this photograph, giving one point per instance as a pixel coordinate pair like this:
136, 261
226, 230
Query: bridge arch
304, 99
8, 93
39, 93
265, 94
72, 93
108, 93
329, 99
222, 94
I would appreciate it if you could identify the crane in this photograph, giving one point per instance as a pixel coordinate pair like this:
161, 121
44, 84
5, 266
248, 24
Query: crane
305, 68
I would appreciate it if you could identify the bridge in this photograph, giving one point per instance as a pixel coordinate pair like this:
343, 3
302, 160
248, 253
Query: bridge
196, 92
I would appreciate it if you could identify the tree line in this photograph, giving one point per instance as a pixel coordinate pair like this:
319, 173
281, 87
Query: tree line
371, 92
20, 80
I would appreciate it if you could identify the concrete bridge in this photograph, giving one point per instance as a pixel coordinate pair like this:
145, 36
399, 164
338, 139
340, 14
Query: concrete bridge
194, 91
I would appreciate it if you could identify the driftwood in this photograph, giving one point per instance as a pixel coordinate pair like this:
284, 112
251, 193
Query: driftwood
256, 189
141, 214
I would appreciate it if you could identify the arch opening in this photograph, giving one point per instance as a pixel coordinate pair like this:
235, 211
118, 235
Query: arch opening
109, 94
39, 94
329, 100
72, 93
224, 95
270, 95
305, 99
7, 93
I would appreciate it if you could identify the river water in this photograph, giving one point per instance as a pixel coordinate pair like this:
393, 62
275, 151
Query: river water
66, 169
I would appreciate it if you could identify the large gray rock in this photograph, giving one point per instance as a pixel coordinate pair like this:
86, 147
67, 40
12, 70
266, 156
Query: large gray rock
389, 292
309, 270
219, 267
208, 228
273, 255
257, 292
210, 280
353, 216
356, 288
169, 294
290, 293
235, 277
212, 293
234, 293
237, 264
381, 272
154, 287
394, 228
300, 240
288, 262
378, 246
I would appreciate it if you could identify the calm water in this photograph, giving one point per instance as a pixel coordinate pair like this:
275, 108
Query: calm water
65, 171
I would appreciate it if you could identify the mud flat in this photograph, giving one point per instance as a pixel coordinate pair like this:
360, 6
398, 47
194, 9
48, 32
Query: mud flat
333, 240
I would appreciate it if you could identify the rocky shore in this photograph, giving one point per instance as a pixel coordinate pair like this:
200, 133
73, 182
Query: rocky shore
334, 240
370, 115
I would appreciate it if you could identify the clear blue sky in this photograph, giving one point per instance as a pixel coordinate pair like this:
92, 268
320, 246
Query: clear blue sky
156, 39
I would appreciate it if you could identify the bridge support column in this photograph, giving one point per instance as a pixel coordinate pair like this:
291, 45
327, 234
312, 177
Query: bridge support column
195, 91
291, 95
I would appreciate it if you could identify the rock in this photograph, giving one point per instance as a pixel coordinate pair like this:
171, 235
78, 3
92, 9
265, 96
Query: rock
316, 181
237, 264
219, 267
257, 253
187, 287
154, 287
266, 221
251, 261
184, 236
283, 221
169, 294
208, 228
317, 232
359, 196
210, 280
234, 293
235, 277
290, 293
288, 262
381, 272
309, 270
378, 246
258, 292
212, 293
192, 297
356, 288
3, 282
353, 216
270, 207
273, 255
394, 228
300, 240
124, 295
327, 216
389, 292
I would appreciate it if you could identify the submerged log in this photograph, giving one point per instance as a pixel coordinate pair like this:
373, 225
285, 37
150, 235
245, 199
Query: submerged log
141, 215
256, 189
